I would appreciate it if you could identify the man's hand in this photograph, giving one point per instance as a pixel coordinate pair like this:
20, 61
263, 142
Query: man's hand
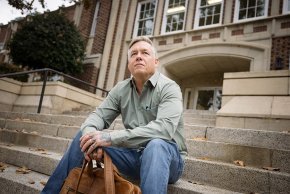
93, 140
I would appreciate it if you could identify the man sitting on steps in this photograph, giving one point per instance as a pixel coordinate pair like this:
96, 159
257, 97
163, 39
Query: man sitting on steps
152, 147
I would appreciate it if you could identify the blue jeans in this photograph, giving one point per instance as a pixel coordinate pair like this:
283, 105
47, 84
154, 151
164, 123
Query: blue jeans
158, 164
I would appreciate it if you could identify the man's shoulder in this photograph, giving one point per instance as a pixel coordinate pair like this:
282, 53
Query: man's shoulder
164, 80
124, 83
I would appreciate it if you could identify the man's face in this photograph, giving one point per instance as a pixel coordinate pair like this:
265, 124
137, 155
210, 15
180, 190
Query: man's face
141, 60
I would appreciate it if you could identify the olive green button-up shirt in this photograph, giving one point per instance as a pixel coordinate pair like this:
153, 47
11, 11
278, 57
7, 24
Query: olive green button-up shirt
156, 113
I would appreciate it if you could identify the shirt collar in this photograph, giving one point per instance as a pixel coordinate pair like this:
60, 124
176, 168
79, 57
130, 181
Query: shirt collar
153, 79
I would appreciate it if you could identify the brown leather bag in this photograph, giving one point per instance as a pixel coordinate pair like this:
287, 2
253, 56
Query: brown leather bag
107, 180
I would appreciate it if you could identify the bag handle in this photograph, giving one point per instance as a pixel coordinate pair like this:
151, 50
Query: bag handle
80, 176
108, 174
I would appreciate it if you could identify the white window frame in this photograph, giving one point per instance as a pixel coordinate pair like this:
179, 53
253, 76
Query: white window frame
94, 24
197, 16
136, 25
237, 8
164, 20
286, 4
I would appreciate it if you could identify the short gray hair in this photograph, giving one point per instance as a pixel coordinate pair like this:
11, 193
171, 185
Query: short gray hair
145, 39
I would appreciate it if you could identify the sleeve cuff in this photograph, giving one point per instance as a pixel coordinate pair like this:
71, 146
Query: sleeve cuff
88, 130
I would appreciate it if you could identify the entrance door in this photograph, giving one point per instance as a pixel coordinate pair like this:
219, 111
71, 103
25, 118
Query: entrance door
208, 99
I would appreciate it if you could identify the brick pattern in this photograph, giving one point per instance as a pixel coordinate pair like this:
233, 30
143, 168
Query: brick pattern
237, 32
285, 25
162, 42
102, 26
177, 40
280, 53
259, 28
214, 35
89, 75
195, 38
91, 72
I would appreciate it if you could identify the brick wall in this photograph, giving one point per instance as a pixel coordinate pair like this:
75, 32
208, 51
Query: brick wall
102, 26
280, 53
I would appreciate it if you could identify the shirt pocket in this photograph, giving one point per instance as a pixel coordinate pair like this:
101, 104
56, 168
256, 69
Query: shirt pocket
150, 112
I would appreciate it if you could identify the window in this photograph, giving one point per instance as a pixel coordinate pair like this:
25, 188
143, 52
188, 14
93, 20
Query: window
208, 13
286, 6
208, 99
250, 9
174, 16
144, 22
93, 28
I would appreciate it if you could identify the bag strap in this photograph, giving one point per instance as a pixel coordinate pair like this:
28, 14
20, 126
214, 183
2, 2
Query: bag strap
109, 175
80, 176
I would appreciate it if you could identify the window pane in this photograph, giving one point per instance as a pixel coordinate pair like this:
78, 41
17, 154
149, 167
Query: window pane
252, 3
202, 2
251, 13
210, 11
260, 2
209, 20
216, 19
260, 11
243, 4
242, 14
201, 21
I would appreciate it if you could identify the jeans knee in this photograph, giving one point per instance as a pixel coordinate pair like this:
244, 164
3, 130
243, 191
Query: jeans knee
157, 145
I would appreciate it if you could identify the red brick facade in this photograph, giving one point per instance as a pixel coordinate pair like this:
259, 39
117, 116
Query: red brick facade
280, 53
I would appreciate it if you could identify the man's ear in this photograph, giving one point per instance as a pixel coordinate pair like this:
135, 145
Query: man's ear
156, 62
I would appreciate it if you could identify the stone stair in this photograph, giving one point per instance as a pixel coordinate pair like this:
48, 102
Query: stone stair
37, 141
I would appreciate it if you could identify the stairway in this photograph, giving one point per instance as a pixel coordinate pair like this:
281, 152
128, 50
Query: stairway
221, 160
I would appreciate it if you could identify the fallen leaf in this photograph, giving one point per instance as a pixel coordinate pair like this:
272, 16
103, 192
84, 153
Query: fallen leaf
239, 163
22, 170
271, 168
43, 182
203, 158
45, 153
3, 166
31, 182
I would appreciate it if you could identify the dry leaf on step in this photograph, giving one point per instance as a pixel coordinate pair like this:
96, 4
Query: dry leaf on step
3, 166
271, 168
31, 182
43, 182
22, 170
239, 163
203, 158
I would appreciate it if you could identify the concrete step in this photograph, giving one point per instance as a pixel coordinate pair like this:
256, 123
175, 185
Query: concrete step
33, 182
58, 130
30, 183
73, 120
250, 137
22, 138
236, 178
206, 172
44, 118
183, 186
39, 160
250, 156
